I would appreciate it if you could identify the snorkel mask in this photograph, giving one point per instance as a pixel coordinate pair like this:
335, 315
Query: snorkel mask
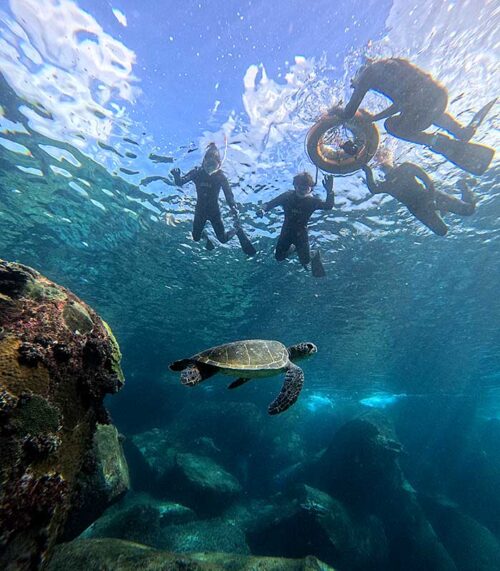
211, 161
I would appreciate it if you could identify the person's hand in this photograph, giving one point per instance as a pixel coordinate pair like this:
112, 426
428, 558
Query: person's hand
176, 173
260, 212
328, 183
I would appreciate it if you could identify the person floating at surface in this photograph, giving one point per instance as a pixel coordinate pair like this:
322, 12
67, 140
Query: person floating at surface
299, 205
208, 180
419, 101
411, 185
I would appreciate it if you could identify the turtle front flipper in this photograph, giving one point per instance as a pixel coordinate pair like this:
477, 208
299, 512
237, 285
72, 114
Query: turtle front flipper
238, 383
195, 373
294, 380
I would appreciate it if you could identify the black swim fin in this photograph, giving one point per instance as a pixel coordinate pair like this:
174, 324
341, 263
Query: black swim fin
480, 116
469, 157
245, 243
317, 269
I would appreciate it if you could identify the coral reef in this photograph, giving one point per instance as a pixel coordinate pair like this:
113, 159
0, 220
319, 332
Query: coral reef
58, 360
116, 555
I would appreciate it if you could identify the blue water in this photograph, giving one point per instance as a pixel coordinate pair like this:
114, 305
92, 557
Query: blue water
99, 100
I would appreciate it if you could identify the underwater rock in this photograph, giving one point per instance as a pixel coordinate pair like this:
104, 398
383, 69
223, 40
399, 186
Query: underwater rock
157, 449
104, 479
361, 469
58, 360
201, 483
472, 546
139, 518
116, 555
216, 535
314, 522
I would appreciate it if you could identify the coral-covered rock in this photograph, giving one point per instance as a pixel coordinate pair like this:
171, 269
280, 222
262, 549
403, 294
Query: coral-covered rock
104, 481
58, 360
116, 555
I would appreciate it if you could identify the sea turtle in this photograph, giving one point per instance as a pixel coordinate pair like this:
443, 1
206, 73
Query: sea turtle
249, 359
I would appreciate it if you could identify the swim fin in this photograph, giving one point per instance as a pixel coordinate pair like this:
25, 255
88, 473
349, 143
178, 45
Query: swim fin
470, 157
317, 269
209, 244
480, 116
245, 243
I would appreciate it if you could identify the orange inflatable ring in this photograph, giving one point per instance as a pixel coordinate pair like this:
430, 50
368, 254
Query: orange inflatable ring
325, 137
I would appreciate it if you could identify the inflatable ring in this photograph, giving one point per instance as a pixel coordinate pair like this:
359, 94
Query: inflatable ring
325, 138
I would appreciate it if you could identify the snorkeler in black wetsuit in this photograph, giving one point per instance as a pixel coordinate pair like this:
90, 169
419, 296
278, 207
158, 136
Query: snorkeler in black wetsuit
419, 101
299, 205
208, 180
411, 185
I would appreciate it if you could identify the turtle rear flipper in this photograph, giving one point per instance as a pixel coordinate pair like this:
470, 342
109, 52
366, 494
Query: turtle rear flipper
238, 383
294, 380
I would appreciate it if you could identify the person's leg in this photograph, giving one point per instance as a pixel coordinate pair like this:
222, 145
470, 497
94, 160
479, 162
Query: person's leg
219, 230
283, 245
431, 219
418, 114
302, 244
454, 127
199, 222
448, 203
404, 127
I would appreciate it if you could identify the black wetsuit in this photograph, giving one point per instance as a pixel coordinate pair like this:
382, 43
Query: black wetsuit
421, 199
297, 210
207, 205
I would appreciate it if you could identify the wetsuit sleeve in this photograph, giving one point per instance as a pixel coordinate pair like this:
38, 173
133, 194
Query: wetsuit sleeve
226, 189
363, 85
188, 177
278, 201
327, 204
373, 187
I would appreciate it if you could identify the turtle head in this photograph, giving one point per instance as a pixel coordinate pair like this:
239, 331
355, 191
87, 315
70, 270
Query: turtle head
301, 351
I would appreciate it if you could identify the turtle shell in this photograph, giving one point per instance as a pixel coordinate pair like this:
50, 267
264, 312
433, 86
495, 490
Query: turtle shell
249, 355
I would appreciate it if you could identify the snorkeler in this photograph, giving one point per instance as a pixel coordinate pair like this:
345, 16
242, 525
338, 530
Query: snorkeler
208, 180
299, 205
419, 101
410, 185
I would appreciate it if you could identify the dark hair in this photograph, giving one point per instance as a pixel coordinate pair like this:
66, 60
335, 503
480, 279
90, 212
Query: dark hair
303, 179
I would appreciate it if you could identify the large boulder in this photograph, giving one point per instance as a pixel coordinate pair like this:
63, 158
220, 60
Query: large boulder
103, 483
361, 469
216, 535
314, 522
201, 483
116, 555
140, 518
58, 360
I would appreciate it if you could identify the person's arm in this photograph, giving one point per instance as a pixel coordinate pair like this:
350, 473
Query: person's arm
278, 201
361, 87
373, 187
181, 180
228, 193
329, 203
